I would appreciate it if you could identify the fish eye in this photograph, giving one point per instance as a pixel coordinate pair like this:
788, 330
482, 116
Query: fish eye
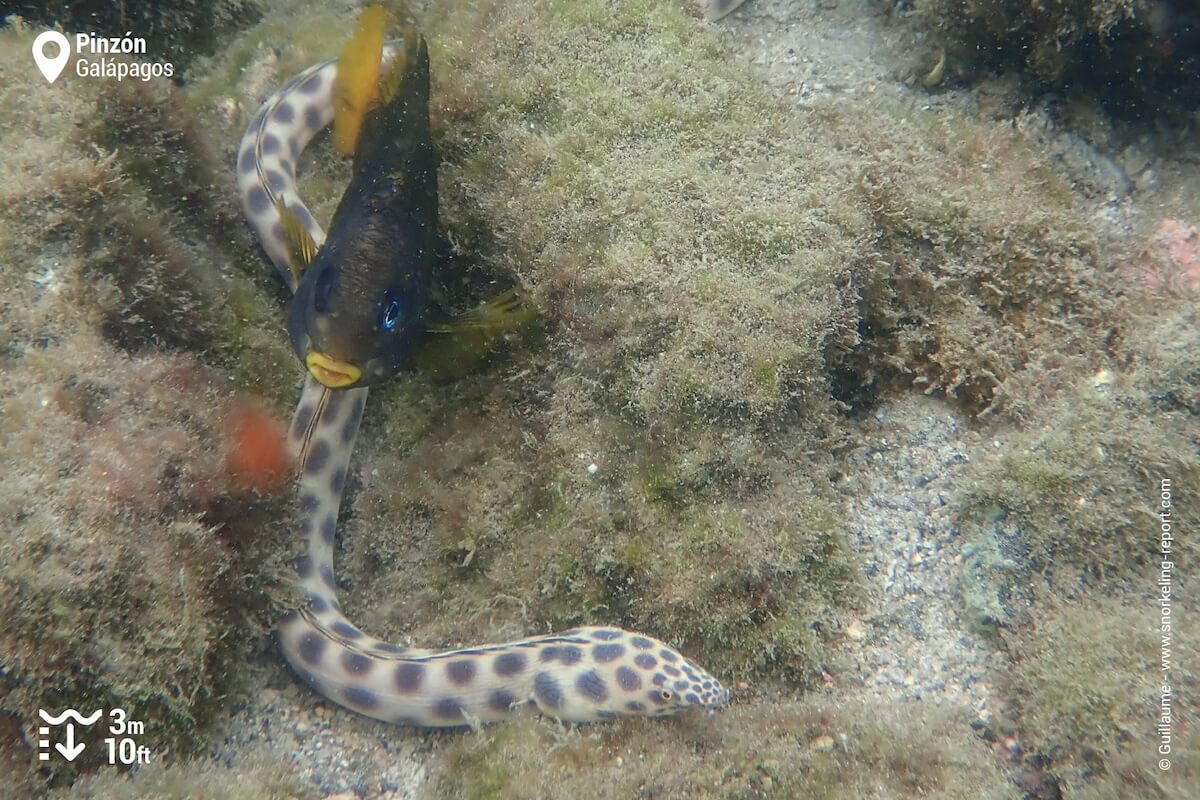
667, 694
391, 315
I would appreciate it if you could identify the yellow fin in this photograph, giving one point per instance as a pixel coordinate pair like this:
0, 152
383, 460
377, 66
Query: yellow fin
301, 247
452, 349
356, 85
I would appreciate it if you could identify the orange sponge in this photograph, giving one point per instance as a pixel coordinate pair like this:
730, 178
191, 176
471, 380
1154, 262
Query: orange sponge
256, 452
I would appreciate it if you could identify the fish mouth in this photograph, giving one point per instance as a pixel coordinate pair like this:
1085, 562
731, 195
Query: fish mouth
331, 373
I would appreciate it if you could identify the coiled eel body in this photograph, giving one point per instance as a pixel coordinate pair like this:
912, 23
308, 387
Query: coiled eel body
580, 675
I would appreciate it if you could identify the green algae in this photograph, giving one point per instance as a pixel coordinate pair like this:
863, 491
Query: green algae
1088, 685
270, 777
812, 749
1064, 541
577, 177
1075, 500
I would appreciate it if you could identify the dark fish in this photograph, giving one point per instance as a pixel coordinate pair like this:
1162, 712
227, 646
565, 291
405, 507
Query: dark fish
362, 303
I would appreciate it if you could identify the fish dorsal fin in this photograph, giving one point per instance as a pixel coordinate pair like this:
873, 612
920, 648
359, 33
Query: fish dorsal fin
301, 247
451, 349
356, 85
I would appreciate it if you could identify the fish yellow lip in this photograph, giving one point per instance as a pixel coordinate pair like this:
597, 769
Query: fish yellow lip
330, 372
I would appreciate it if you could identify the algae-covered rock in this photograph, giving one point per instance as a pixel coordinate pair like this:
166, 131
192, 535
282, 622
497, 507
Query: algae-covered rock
989, 283
1089, 681
690, 248
822, 749
1140, 56
269, 777
1078, 480
692, 240
720, 278
116, 589
1074, 499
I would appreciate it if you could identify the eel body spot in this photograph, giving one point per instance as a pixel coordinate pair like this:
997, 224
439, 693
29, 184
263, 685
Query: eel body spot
409, 677
284, 113
358, 696
628, 680
256, 198
604, 653
356, 663
312, 118
501, 700
301, 420
460, 672
317, 458
311, 85
567, 654
343, 628
645, 661
547, 691
312, 647
592, 686
509, 664
448, 708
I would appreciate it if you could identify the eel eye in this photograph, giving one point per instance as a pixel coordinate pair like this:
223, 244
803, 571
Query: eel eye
390, 316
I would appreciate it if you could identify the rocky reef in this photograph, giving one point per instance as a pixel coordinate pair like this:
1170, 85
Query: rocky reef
727, 286
1138, 57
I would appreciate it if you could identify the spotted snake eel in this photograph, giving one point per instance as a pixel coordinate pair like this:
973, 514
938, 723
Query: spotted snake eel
585, 674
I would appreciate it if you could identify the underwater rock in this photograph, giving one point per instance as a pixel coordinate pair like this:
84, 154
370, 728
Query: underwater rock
1140, 58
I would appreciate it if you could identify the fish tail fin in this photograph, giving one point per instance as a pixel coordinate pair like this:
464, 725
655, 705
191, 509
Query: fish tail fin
401, 122
408, 73
356, 85
410, 56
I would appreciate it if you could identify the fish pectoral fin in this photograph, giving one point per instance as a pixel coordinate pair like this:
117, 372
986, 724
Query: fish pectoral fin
301, 246
453, 348
504, 313
356, 85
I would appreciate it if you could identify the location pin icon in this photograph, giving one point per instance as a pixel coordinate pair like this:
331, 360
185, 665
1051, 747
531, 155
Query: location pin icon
51, 67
